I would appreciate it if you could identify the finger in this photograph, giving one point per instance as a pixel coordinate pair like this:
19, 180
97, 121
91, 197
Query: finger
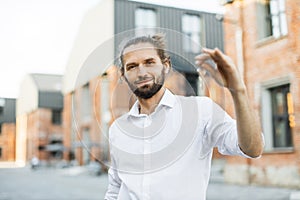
215, 54
200, 59
207, 67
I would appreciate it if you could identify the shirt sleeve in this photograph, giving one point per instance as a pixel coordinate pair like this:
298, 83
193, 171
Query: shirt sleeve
114, 184
220, 130
114, 181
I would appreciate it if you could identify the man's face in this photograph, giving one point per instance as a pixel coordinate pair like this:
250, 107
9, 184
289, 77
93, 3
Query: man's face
143, 70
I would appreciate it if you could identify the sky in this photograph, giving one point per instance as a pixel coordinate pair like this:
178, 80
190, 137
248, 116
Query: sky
36, 36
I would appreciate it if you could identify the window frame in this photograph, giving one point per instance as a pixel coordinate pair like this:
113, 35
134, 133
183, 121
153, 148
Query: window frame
266, 114
284, 116
194, 47
141, 28
266, 25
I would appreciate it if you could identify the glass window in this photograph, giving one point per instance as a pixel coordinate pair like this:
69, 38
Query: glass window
56, 117
281, 111
73, 114
86, 108
271, 18
145, 19
191, 28
0, 152
2, 104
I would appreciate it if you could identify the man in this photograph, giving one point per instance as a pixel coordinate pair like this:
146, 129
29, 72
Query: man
162, 148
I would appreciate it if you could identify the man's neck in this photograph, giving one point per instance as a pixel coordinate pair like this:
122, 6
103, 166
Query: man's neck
147, 106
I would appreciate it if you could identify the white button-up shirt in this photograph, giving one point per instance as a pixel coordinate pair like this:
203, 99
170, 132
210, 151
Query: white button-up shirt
167, 154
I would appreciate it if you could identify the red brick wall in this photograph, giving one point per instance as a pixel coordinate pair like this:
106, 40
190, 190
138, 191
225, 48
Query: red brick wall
7, 141
40, 130
267, 60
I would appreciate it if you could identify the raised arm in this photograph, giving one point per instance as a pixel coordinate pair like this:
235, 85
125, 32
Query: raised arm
226, 74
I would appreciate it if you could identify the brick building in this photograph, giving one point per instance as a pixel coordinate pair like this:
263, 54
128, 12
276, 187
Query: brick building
263, 38
7, 129
93, 93
39, 118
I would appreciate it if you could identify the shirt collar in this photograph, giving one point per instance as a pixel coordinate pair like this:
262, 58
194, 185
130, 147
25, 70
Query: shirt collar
167, 100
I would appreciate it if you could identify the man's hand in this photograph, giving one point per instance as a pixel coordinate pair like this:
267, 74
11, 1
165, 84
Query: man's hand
224, 72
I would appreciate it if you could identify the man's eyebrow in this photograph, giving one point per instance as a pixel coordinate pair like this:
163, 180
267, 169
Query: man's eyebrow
149, 59
131, 63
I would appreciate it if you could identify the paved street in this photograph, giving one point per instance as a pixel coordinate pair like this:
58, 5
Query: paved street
51, 184
77, 184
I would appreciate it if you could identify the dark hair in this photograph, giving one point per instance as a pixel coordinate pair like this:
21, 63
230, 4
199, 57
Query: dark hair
158, 42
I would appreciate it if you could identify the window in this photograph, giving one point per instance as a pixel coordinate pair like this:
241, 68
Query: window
0, 128
0, 152
56, 117
271, 18
2, 104
86, 108
86, 148
145, 19
191, 28
278, 117
73, 113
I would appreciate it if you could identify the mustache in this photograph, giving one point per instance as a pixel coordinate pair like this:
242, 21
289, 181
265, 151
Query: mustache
142, 79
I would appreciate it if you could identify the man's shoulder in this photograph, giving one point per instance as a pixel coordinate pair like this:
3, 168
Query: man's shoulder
122, 118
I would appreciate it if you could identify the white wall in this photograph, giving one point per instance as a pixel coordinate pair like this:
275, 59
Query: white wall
28, 96
93, 48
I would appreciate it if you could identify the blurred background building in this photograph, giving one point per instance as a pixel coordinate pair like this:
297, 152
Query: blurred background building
39, 118
263, 38
7, 129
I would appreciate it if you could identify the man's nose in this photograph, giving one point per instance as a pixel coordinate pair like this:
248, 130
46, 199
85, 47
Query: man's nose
142, 70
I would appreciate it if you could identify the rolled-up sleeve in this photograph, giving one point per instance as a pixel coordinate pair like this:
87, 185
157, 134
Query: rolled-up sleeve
221, 131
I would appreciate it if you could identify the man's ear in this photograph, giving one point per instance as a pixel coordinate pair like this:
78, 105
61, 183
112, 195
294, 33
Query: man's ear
167, 65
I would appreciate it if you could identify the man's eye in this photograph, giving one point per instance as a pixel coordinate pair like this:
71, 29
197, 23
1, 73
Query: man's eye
130, 67
150, 62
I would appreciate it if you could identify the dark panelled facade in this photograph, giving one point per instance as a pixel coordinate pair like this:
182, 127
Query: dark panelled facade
52, 100
169, 20
8, 111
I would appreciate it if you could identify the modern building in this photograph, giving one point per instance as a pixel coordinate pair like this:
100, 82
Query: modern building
7, 129
94, 95
263, 38
39, 118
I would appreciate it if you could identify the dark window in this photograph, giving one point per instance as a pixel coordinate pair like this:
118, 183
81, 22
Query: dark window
56, 117
2, 104
280, 97
0, 128
271, 18
0, 152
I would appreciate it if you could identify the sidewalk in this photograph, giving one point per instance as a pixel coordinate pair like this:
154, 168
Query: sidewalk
219, 190
79, 183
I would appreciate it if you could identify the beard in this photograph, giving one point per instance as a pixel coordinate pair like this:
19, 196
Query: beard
147, 91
